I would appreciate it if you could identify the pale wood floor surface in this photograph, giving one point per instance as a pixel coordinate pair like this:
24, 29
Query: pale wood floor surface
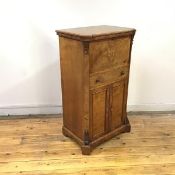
36, 146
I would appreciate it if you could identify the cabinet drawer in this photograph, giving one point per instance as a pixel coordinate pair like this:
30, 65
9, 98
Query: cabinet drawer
108, 77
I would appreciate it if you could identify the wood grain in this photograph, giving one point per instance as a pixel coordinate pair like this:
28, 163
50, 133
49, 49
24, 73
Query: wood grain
108, 77
116, 106
71, 59
94, 109
98, 113
109, 53
95, 32
148, 149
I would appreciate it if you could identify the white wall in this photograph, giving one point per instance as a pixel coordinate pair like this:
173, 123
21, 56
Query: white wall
29, 64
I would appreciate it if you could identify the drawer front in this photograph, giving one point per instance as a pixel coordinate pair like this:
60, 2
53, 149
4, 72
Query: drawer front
108, 77
109, 53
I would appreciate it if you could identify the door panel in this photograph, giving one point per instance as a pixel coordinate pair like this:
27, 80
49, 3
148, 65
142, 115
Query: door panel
98, 112
109, 53
116, 106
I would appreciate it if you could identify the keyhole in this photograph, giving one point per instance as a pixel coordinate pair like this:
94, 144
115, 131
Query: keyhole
97, 81
122, 73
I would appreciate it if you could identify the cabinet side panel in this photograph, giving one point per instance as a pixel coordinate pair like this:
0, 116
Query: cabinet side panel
127, 83
71, 59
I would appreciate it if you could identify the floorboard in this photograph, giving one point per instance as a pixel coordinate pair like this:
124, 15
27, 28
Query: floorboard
36, 146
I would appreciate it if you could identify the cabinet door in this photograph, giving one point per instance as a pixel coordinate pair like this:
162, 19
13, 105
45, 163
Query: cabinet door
99, 112
116, 105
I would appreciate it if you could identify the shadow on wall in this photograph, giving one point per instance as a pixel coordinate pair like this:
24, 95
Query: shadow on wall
40, 87
43, 46
41, 91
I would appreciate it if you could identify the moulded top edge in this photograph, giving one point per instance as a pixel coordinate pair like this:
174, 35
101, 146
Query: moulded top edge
92, 32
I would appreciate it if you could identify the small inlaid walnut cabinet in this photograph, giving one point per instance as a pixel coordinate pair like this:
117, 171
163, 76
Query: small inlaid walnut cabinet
95, 63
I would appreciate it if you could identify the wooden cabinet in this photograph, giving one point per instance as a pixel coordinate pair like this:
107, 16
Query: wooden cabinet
95, 64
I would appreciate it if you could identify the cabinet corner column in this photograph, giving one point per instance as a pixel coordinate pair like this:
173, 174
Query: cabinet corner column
86, 125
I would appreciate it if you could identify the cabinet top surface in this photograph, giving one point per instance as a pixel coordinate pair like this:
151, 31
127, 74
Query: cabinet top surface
94, 31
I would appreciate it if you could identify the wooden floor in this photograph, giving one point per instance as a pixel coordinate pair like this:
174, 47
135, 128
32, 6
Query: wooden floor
36, 146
